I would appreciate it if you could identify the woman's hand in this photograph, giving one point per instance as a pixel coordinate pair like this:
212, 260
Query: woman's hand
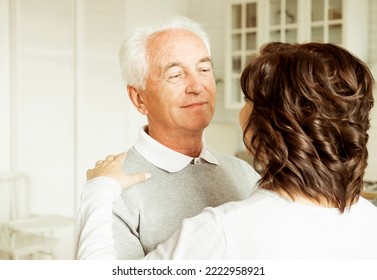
112, 167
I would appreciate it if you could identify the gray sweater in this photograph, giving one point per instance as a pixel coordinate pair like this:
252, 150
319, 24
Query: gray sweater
148, 213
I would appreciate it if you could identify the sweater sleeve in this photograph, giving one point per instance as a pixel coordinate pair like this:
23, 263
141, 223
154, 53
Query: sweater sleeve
94, 219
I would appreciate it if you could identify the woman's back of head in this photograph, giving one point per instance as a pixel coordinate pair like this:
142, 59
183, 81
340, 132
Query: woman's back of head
310, 117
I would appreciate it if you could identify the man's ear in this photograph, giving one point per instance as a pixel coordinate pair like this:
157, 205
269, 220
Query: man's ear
137, 99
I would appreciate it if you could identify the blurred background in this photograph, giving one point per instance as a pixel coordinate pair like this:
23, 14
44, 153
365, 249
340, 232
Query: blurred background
63, 104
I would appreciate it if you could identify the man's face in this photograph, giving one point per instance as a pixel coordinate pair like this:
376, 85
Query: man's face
180, 88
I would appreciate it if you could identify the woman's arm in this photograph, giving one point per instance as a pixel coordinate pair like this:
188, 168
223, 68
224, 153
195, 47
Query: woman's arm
94, 221
201, 237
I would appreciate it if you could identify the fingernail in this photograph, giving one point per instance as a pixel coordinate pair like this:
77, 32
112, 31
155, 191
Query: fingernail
147, 175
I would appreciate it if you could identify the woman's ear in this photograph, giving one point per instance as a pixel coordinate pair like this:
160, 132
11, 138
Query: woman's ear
137, 99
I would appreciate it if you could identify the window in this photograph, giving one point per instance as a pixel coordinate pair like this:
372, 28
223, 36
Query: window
243, 34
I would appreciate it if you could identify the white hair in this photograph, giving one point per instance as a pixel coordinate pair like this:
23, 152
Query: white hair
133, 52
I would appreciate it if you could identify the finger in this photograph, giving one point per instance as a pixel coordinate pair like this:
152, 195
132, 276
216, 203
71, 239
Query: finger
121, 157
99, 162
89, 174
137, 178
109, 157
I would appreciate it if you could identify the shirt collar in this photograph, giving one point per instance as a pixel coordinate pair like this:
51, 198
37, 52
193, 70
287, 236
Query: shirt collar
166, 158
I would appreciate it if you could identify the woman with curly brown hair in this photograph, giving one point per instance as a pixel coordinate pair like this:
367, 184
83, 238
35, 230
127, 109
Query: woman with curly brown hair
308, 126
305, 123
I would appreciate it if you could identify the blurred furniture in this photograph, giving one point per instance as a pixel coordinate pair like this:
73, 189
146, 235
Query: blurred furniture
244, 156
23, 235
370, 190
374, 201
19, 245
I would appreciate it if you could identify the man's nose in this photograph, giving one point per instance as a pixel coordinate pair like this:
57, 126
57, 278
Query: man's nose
194, 83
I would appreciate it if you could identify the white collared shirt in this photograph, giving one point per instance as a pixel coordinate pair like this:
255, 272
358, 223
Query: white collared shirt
166, 158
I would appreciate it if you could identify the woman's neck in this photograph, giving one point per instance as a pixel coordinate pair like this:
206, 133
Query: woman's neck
304, 199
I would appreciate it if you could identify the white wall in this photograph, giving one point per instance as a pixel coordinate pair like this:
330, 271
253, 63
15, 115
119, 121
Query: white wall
5, 149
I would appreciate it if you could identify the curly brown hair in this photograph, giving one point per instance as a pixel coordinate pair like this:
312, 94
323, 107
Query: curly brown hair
309, 122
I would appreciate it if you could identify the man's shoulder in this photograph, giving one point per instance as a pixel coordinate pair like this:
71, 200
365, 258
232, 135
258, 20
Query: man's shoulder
238, 167
135, 160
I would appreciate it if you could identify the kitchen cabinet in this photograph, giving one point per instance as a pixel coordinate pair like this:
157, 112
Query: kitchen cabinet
250, 23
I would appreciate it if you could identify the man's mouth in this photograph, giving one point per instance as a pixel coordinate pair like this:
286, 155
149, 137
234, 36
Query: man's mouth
194, 104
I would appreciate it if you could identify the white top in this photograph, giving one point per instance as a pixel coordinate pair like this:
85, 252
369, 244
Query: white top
165, 158
264, 226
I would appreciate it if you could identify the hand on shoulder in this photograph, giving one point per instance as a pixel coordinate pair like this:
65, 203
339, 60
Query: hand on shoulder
112, 167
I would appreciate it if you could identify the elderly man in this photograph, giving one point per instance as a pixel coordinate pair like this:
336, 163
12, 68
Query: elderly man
169, 77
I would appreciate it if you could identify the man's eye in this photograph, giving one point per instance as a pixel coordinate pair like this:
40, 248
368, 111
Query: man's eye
205, 70
175, 78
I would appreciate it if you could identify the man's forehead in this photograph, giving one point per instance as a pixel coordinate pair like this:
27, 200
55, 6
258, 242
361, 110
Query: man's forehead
169, 39
205, 59
176, 47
